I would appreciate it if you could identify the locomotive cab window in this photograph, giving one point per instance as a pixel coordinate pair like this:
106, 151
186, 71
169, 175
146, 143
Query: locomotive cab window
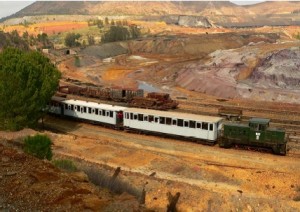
262, 127
66, 106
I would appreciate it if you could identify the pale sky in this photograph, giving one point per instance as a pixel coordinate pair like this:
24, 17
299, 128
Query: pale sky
10, 7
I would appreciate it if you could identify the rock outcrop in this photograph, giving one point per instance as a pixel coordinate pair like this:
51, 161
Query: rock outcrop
194, 21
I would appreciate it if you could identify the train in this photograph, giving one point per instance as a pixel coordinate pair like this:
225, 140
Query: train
200, 128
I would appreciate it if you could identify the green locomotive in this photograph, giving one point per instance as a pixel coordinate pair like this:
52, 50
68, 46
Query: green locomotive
257, 133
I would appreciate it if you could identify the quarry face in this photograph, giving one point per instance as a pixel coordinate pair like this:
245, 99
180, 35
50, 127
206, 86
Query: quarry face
247, 65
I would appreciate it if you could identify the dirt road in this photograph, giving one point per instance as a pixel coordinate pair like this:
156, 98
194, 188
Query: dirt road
209, 178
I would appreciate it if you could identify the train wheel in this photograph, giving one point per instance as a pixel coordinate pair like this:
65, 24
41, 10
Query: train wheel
225, 143
279, 149
283, 149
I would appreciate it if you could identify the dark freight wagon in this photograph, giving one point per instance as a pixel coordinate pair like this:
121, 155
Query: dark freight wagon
256, 133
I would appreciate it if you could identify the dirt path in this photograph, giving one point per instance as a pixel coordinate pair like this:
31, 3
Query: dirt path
197, 171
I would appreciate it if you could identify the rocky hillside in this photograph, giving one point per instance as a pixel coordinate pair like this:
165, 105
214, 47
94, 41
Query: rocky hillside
279, 70
219, 12
30, 184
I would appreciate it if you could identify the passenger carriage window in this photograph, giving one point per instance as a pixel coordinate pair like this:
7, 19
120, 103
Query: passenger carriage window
90, 110
151, 118
111, 114
75, 107
199, 125
186, 124
174, 122
100, 112
93, 110
192, 124
162, 120
126, 116
180, 122
135, 116
96, 111
205, 126
72, 107
168, 121
131, 116
145, 118
211, 127
140, 117
103, 113
66, 106
78, 108
156, 119
84, 109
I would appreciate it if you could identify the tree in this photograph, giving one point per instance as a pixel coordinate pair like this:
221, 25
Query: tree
28, 80
25, 35
91, 39
112, 22
38, 146
106, 21
135, 31
71, 39
121, 33
100, 23
43, 38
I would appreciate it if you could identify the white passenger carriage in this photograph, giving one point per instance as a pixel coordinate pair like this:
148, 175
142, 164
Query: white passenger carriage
102, 113
172, 123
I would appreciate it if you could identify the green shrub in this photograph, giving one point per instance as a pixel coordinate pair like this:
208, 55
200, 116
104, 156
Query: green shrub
38, 146
66, 165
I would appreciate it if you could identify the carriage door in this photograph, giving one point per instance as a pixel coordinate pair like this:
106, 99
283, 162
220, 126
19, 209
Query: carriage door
211, 131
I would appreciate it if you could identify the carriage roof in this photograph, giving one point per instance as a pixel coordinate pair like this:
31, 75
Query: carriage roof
186, 116
94, 105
